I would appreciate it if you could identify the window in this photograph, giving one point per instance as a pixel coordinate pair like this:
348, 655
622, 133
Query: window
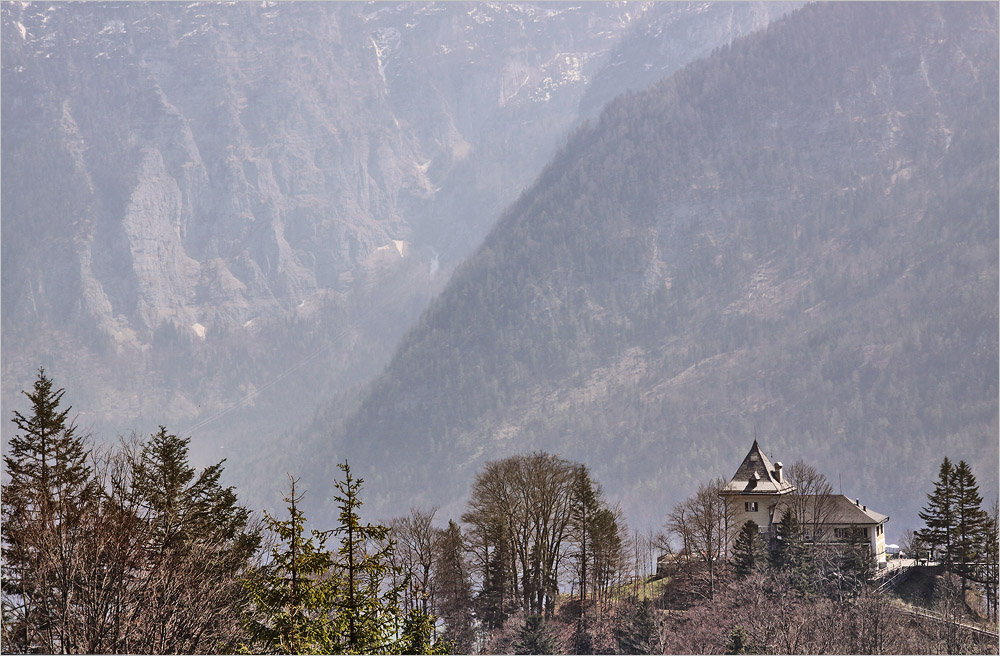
853, 531
750, 506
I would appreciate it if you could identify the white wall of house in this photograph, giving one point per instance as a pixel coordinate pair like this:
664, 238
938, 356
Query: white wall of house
760, 511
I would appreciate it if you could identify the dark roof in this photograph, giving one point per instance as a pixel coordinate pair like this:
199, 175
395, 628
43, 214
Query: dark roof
840, 510
756, 476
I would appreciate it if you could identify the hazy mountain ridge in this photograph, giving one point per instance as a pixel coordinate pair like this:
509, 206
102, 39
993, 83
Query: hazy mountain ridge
216, 207
796, 235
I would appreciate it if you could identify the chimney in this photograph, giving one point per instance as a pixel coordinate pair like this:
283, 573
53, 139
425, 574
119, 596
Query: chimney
865, 508
857, 502
777, 471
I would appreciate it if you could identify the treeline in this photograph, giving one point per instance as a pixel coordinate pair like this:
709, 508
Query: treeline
130, 549
121, 550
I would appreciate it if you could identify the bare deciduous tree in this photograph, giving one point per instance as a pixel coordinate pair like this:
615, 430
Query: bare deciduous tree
703, 525
526, 501
811, 502
415, 536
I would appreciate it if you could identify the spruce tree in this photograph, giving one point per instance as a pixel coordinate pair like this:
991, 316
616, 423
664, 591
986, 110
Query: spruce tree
50, 490
971, 524
991, 569
787, 552
453, 590
292, 599
584, 505
581, 641
748, 549
369, 617
635, 630
939, 514
365, 614
740, 642
197, 544
857, 563
492, 604
535, 637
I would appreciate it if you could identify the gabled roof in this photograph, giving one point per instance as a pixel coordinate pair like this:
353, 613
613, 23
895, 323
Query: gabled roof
756, 476
839, 509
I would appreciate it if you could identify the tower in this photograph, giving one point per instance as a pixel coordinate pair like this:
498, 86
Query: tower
754, 491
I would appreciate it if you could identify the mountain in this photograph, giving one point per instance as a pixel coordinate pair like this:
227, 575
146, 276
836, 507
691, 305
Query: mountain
795, 237
217, 215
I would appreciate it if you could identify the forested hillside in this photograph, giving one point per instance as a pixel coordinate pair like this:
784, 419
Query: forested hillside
796, 237
236, 210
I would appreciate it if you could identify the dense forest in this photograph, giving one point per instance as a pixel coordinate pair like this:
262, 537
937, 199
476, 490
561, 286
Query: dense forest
797, 235
133, 550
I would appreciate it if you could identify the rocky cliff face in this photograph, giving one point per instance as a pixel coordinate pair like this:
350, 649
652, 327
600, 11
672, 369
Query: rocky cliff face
235, 210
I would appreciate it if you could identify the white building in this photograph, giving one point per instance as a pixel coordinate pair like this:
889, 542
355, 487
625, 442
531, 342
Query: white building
759, 491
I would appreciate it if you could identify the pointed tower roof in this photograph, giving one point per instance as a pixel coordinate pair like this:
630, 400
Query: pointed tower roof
756, 475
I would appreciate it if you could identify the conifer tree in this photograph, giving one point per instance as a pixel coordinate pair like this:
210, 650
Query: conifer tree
293, 597
857, 563
49, 490
971, 523
636, 631
197, 544
787, 552
740, 642
418, 636
584, 505
939, 514
453, 589
368, 612
581, 641
491, 551
991, 569
748, 549
535, 637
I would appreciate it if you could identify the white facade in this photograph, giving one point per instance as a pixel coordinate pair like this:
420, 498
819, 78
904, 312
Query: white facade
759, 492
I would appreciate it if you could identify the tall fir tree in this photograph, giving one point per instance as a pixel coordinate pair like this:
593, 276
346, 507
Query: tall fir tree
787, 551
584, 505
369, 616
636, 632
49, 492
971, 524
857, 563
453, 589
198, 544
291, 600
939, 515
991, 568
748, 549
535, 637
494, 600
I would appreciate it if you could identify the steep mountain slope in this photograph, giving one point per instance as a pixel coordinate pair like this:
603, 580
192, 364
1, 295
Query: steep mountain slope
214, 207
795, 236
